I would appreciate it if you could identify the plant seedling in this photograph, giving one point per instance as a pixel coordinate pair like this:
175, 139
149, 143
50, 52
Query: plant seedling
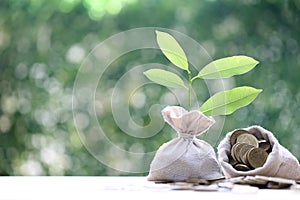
221, 103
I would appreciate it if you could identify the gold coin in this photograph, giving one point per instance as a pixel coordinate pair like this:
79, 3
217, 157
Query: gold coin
235, 134
265, 145
247, 138
257, 157
244, 151
241, 167
232, 151
244, 158
236, 151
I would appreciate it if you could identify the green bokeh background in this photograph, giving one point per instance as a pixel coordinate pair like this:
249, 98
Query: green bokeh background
43, 43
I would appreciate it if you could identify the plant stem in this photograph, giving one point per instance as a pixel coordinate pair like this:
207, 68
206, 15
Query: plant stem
189, 90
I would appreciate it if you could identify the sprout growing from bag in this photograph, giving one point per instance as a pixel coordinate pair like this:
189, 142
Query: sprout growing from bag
186, 156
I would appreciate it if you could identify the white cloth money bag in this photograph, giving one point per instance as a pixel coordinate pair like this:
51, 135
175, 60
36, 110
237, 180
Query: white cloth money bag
185, 156
280, 162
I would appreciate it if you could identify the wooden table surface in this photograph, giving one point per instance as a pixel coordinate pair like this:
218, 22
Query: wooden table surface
86, 188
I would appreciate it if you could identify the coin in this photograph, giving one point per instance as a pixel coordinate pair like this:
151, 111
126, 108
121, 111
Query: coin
197, 181
212, 187
193, 180
211, 180
241, 167
181, 186
252, 180
275, 185
232, 161
249, 149
244, 151
235, 151
276, 179
241, 151
244, 158
265, 145
256, 133
232, 152
235, 134
247, 138
257, 157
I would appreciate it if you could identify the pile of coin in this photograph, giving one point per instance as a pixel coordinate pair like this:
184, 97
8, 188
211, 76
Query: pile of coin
263, 182
258, 181
248, 151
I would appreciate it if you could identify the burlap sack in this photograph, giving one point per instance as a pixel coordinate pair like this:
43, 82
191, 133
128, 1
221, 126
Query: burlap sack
280, 162
186, 156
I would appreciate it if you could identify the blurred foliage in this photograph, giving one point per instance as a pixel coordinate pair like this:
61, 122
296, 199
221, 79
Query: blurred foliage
42, 44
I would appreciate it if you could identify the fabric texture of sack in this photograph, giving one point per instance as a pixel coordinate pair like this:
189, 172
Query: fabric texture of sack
280, 162
185, 156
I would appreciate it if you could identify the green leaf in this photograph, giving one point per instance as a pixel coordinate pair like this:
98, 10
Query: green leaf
226, 102
165, 78
172, 50
227, 67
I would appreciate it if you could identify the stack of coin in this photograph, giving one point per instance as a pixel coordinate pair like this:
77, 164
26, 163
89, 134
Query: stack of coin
247, 151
